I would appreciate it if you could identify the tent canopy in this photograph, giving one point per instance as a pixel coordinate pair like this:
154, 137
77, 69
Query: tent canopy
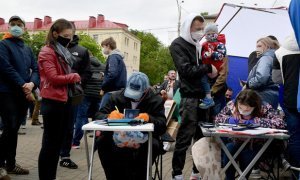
243, 26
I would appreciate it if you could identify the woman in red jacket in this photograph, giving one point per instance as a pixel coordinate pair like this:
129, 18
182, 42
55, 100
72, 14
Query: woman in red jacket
54, 60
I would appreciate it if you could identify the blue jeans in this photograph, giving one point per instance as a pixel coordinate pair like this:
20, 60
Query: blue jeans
205, 84
87, 108
293, 126
245, 157
105, 99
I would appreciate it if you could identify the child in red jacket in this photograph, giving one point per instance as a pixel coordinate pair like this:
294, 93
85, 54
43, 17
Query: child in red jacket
213, 52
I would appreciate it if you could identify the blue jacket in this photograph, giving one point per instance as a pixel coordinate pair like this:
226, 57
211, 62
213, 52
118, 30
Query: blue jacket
17, 65
115, 75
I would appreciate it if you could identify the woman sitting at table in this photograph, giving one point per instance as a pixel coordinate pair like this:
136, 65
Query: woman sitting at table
247, 109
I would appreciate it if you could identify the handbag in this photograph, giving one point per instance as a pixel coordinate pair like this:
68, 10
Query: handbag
75, 90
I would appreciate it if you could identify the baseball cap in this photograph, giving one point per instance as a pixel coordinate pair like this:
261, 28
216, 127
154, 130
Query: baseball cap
137, 83
16, 18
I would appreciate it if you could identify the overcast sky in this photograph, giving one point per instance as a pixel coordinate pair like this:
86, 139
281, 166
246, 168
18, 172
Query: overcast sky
157, 16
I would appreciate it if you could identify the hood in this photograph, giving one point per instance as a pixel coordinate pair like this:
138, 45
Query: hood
269, 52
289, 46
7, 35
185, 30
290, 43
117, 51
95, 61
74, 41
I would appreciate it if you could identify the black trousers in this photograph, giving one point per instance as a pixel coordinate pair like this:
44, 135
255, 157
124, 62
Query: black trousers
189, 129
55, 118
125, 163
13, 109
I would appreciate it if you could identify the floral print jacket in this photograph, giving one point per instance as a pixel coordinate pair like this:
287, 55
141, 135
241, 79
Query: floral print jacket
271, 118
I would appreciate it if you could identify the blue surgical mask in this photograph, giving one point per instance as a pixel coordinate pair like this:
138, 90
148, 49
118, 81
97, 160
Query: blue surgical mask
16, 31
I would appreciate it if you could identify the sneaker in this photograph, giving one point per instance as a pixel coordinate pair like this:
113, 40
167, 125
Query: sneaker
68, 163
3, 174
21, 131
75, 146
167, 138
18, 170
195, 176
178, 177
206, 103
255, 174
36, 123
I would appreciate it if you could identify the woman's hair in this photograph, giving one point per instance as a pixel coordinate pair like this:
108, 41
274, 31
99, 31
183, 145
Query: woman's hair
58, 26
109, 42
250, 98
269, 42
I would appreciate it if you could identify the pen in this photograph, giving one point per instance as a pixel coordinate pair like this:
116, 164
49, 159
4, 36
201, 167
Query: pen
117, 109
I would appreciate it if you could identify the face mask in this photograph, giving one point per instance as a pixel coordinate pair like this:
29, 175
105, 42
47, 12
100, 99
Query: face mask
63, 41
105, 52
16, 31
197, 35
211, 37
245, 113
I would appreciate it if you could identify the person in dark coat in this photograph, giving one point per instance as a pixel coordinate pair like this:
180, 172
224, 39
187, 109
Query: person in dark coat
130, 162
115, 75
19, 77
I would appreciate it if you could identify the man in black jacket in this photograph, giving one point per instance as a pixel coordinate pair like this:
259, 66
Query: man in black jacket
91, 101
82, 67
130, 162
288, 56
185, 53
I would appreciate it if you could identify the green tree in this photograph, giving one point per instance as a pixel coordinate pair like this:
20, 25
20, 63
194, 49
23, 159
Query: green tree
155, 59
88, 42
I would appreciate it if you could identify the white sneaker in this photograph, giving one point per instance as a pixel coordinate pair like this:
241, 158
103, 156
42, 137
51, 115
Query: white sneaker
195, 176
255, 174
178, 177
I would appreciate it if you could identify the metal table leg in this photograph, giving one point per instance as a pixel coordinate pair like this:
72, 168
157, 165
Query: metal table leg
149, 159
92, 157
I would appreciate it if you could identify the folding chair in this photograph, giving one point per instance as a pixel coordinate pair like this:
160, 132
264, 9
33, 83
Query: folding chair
158, 162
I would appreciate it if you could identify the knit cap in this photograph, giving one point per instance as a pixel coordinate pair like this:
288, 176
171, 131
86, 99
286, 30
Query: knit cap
211, 27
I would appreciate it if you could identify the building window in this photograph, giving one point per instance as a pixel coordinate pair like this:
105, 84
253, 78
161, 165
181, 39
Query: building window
95, 37
126, 41
134, 59
126, 56
135, 46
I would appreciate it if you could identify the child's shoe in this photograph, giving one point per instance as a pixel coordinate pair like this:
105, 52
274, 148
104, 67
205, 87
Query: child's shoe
206, 103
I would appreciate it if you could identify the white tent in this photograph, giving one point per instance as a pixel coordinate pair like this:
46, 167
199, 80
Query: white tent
243, 26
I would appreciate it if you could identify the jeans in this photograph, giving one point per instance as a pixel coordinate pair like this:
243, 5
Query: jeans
220, 103
293, 127
67, 140
13, 109
84, 110
105, 99
56, 117
245, 157
205, 86
189, 129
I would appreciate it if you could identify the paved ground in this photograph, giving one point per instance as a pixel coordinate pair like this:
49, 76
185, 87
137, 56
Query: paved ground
29, 147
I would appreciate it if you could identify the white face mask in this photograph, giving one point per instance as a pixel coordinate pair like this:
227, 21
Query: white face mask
197, 36
105, 52
245, 113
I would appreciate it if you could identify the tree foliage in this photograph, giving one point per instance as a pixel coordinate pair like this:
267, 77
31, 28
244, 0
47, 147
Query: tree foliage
155, 59
88, 42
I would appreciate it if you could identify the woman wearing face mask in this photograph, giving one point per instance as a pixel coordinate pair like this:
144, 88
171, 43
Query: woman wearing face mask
246, 109
54, 65
260, 77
